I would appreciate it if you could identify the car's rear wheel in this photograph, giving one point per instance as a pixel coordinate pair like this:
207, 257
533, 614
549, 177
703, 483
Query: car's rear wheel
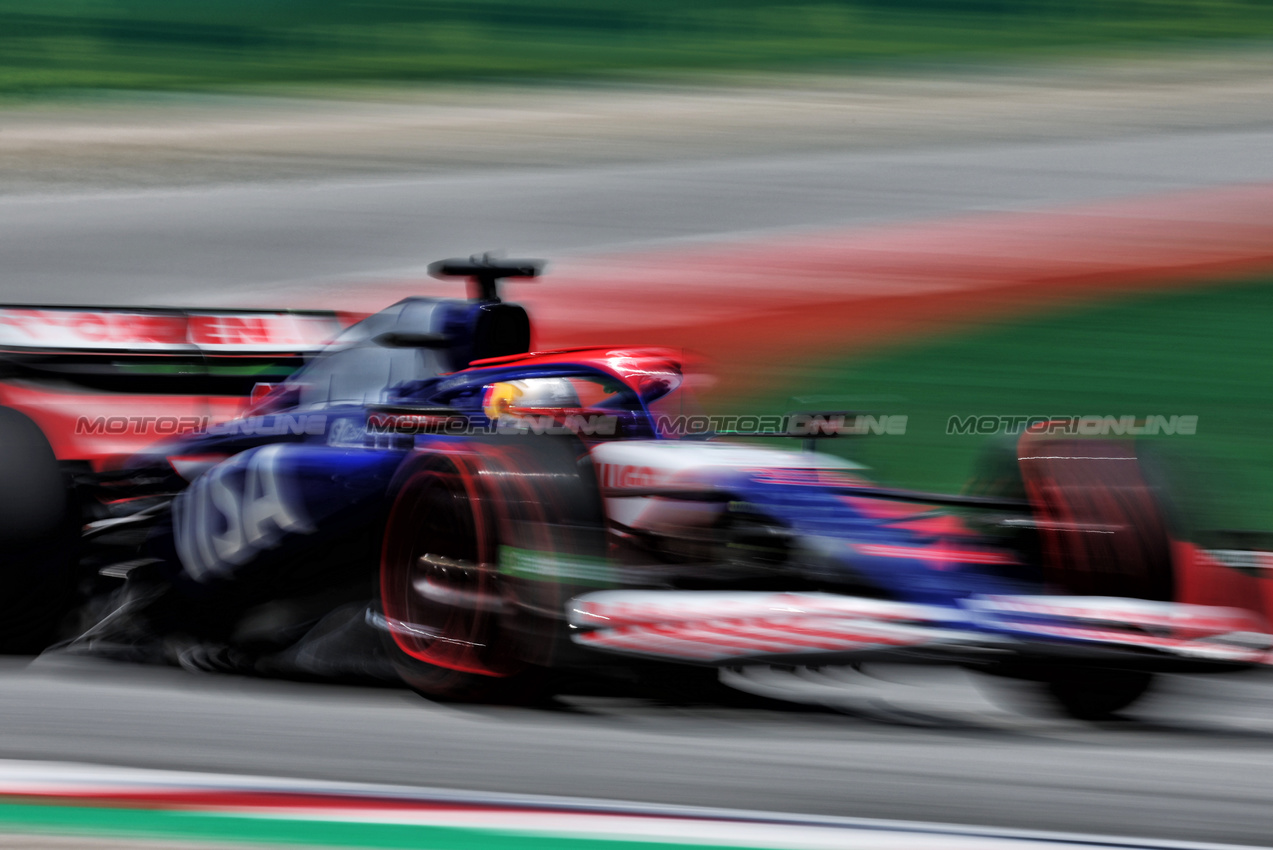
39, 537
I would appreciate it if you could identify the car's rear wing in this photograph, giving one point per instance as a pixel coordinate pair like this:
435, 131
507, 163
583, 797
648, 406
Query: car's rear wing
114, 330
160, 350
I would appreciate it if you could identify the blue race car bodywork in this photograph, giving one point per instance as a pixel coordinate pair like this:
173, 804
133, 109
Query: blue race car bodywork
489, 514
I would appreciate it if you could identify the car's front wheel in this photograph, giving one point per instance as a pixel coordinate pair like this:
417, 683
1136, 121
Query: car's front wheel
440, 590
483, 544
1096, 527
1094, 693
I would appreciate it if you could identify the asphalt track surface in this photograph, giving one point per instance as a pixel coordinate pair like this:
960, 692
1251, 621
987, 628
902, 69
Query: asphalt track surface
270, 241
1196, 763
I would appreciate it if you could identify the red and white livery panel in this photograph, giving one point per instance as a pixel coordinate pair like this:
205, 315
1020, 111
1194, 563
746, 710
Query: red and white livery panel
168, 331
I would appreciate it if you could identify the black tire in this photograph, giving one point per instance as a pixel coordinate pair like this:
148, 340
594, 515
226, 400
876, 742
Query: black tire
455, 514
1091, 693
39, 537
1100, 528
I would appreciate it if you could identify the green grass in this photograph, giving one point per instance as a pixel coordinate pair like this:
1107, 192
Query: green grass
1205, 353
50, 45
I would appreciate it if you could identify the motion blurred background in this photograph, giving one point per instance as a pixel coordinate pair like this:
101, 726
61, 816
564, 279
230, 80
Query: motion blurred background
50, 46
713, 162
929, 208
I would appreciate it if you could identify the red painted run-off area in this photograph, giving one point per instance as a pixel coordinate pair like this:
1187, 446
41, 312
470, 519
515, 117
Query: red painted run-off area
754, 307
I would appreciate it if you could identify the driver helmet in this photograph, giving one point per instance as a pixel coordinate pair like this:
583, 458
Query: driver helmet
527, 397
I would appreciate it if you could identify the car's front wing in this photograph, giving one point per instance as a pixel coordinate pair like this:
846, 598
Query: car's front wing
736, 628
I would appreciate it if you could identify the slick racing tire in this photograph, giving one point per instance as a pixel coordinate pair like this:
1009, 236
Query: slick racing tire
460, 621
38, 537
1098, 528
1102, 529
1094, 693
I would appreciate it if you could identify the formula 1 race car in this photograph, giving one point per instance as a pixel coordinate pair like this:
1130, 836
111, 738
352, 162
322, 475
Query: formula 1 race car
427, 499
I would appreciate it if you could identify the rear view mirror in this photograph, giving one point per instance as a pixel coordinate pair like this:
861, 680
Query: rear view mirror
259, 392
